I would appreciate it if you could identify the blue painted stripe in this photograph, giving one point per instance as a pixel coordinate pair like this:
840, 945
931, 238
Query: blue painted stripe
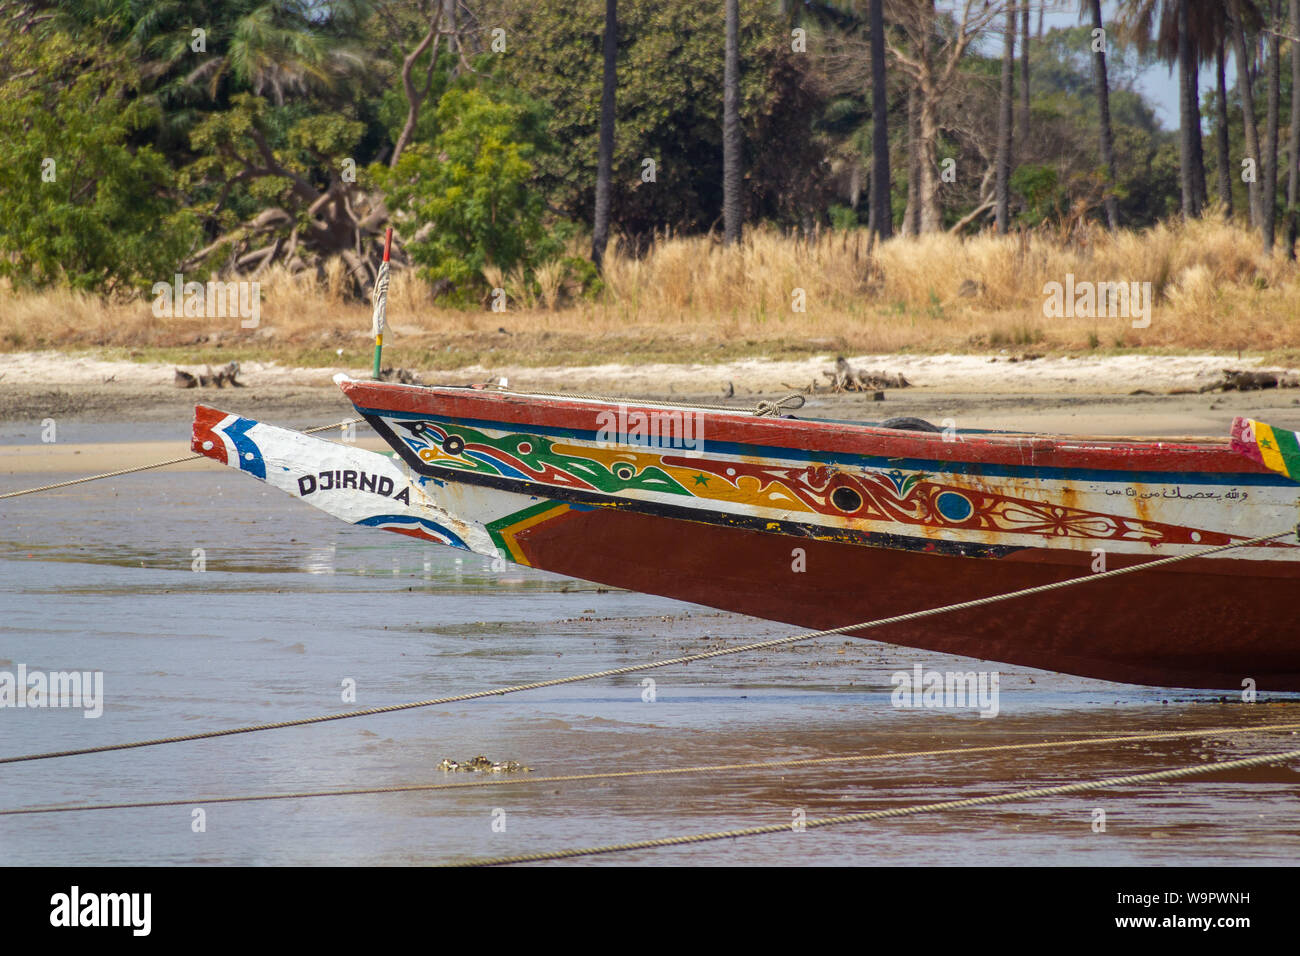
452, 537
498, 464
1041, 472
250, 456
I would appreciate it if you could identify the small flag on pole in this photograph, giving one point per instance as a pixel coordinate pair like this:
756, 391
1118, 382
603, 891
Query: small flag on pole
379, 302
1275, 448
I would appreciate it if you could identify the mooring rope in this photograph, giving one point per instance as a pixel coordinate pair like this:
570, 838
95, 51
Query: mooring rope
763, 408
650, 665
157, 464
869, 815
653, 772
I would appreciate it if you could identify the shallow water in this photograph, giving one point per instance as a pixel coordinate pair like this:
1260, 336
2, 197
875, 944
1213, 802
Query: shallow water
292, 603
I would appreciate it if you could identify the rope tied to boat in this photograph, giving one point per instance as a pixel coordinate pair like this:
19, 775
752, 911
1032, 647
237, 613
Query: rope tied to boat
792, 401
157, 464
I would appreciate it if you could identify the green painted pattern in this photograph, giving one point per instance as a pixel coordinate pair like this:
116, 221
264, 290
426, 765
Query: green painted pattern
540, 457
495, 528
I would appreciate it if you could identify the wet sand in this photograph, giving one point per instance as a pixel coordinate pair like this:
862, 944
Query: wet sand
291, 603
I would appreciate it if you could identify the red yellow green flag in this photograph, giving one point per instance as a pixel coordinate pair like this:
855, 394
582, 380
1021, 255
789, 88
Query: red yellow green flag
1275, 448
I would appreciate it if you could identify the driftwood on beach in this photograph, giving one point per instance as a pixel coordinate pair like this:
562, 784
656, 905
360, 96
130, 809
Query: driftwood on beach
1235, 380
220, 378
403, 376
847, 379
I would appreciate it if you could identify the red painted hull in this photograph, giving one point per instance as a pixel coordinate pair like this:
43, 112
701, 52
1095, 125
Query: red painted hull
889, 522
1141, 628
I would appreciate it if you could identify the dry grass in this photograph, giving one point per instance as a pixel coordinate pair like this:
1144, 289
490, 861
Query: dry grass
691, 299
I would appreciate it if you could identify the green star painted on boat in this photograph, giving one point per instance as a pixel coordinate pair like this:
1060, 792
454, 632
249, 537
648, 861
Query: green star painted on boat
1265, 443
702, 480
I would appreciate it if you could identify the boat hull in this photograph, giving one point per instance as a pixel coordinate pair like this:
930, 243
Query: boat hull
823, 525
1142, 628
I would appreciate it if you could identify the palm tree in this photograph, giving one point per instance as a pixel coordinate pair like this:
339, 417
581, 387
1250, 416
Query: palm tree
1293, 154
1189, 120
1103, 109
1242, 11
881, 212
732, 209
1221, 128
1183, 32
1023, 121
1003, 161
605, 160
1268, 197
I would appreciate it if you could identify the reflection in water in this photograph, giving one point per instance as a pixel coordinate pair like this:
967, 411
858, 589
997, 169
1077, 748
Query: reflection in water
293, 605
320, 560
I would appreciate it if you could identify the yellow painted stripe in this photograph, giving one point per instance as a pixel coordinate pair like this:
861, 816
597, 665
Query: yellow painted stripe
508, 533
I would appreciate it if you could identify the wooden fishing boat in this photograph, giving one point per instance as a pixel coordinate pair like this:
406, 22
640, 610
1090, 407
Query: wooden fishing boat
821, 524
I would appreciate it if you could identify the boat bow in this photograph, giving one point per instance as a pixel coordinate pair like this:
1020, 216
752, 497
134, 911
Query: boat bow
357, 486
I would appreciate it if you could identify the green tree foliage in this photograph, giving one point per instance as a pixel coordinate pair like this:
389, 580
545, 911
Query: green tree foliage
1066, 122
256, 155
669, 110
470, 192
78, 203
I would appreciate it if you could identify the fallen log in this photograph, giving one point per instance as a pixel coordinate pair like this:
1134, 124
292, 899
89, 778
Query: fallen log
1237, 380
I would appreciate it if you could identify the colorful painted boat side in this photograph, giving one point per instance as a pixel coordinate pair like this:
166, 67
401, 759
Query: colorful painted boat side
824, 524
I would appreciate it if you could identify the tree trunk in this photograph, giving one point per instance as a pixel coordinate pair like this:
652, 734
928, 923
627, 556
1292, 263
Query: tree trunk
732, 207
1103, 108
1188, 115
1002, 195
1023, 122
1198, 147
605, 160
1268, 195
449, 26
881, 210
929, 217
912, 215
1224, 155
1293, 150
1245, 86
931, 211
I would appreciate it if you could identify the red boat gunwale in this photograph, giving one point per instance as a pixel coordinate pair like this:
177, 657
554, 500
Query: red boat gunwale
517, 409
